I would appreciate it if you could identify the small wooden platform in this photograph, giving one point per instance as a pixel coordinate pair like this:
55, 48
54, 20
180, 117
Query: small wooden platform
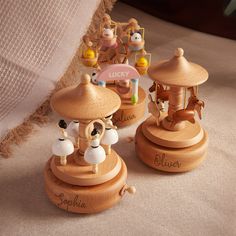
74, 174
190, 135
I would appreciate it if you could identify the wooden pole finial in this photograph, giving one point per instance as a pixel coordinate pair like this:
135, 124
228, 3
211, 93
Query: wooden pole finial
85, 79
179, 52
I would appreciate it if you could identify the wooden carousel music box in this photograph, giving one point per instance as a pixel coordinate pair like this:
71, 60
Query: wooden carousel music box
173, 141
109, 54
88, 176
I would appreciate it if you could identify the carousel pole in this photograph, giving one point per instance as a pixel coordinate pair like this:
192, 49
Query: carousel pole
175, 103
83, 144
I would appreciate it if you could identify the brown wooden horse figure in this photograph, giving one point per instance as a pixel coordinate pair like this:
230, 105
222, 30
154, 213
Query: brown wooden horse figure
188, 113
161, 93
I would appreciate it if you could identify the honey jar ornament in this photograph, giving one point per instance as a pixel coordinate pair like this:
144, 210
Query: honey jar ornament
91, 180
88, 53
142, 62
174, 140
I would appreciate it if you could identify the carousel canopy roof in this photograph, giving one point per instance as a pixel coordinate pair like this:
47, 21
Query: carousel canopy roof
85, 101
178, 71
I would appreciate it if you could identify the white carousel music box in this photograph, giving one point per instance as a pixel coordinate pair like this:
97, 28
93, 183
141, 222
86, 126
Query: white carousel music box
173, 141
89, 176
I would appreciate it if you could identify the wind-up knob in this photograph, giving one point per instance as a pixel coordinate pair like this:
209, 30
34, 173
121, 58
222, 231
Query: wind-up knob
131, 190
127, 188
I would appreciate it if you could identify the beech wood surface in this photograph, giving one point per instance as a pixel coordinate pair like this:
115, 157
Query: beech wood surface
170, 159
177, 71
87, 199
85, 101
190, 135
72, 173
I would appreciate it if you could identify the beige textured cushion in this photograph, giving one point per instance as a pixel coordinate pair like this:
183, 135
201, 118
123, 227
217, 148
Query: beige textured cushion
38, 40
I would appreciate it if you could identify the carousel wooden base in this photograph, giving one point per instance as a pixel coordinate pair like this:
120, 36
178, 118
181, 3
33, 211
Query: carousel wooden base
188, 136
74, 174
85, 199
128, 113
167, 158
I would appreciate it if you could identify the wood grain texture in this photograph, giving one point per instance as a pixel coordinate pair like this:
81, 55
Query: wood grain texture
190, 135
85, 101
199, 202
170, 159
74, 174
176, 97
90, 199
178, 71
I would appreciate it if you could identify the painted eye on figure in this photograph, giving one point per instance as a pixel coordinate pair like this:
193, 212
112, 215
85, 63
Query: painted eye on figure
136, 37
94, 77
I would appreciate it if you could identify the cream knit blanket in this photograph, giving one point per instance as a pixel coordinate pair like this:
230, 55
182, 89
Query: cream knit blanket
38, 40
